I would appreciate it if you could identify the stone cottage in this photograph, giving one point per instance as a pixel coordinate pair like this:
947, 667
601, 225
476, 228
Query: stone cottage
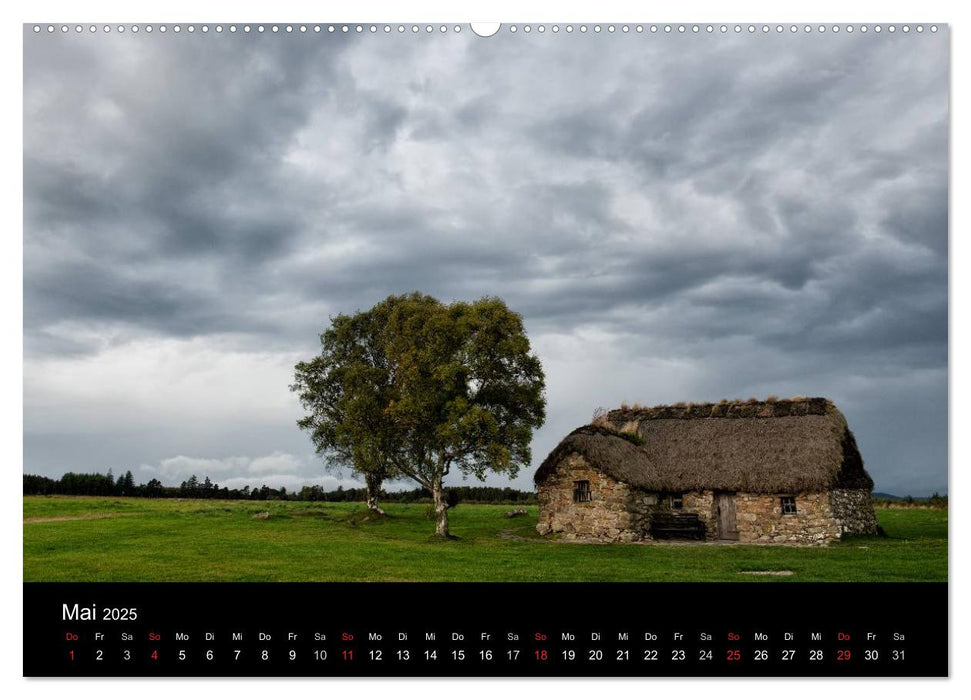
774, 471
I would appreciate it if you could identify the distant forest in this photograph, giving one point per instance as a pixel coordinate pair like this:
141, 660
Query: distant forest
886, 500
72, 484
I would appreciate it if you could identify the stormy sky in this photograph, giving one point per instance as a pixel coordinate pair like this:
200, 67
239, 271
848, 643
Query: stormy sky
676, 217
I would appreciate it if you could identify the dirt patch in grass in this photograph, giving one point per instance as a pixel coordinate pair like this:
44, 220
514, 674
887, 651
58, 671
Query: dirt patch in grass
366, 517
62, 518
784, 572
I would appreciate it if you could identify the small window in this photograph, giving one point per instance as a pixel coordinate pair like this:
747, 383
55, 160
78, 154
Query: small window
788, 505
581, 492
677, 501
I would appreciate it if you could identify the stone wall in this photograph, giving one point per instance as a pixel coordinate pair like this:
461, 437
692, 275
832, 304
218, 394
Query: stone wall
702, 503
607, 516
619, 513
615, 513
760, 519
853, 510
644, 504
641, 505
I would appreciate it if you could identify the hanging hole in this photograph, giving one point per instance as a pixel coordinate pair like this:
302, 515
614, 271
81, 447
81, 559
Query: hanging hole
485, 29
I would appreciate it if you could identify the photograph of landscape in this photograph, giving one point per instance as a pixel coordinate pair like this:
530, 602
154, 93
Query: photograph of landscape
395, 304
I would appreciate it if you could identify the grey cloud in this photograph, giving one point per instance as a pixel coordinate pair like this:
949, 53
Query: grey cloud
681, 199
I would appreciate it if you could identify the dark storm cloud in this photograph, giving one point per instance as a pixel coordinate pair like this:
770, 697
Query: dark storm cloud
729, 215
153, 155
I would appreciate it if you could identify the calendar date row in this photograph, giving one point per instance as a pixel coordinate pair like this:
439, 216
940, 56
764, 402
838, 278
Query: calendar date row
538, 655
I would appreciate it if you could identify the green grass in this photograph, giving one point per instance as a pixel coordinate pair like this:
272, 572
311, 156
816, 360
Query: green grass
125, 539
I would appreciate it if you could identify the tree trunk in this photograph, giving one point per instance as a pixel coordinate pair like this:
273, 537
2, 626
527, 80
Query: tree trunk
371, 490
441, 509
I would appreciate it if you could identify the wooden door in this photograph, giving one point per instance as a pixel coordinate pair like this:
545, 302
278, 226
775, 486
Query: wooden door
725, 516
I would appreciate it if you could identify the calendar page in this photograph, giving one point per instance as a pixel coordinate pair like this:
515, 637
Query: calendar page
441, 349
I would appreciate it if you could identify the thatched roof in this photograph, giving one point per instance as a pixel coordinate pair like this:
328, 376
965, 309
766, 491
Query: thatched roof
790, 446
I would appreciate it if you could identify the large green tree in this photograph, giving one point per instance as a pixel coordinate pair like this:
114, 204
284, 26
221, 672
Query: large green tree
416, 388
345, 390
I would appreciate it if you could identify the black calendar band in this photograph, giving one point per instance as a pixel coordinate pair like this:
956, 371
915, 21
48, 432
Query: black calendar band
485, 629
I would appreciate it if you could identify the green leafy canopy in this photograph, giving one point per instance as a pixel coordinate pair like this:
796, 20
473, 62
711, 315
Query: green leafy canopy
414, 387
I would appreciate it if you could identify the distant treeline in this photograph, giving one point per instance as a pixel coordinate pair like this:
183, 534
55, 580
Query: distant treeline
72, 484
887, 501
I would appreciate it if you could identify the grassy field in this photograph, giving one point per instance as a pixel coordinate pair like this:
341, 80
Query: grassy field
127, 539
